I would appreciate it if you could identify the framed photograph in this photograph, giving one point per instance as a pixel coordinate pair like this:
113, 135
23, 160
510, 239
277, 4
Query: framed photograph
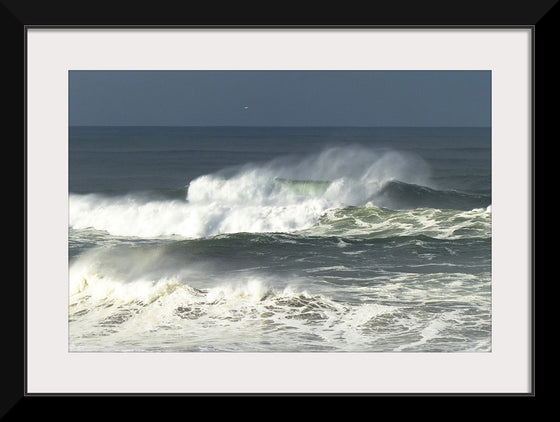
279, 210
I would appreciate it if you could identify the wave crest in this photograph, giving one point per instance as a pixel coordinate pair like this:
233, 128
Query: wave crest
285, 195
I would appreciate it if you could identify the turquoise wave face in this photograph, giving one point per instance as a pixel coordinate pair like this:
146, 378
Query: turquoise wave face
396, 194
303, 187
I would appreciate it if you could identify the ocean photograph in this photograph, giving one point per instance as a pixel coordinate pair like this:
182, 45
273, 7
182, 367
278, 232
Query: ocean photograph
279, 211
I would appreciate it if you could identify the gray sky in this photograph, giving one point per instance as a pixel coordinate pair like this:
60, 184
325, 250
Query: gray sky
280, 98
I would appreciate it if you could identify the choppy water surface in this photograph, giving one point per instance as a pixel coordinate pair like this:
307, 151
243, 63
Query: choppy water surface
280, 239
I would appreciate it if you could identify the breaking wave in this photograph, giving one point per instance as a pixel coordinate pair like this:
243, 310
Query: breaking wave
285, 195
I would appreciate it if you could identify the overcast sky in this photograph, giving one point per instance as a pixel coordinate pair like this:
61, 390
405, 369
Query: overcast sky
280, 98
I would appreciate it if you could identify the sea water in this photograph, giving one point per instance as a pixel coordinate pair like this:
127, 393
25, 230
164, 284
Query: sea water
267, 239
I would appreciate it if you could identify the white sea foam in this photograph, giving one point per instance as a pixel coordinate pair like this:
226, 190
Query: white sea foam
240, 314
378, 222
252, 200
133, 298
251, 315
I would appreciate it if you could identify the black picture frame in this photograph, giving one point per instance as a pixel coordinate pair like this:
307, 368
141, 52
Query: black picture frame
19, 15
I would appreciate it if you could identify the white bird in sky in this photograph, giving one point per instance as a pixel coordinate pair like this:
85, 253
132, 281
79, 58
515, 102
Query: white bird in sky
245, 107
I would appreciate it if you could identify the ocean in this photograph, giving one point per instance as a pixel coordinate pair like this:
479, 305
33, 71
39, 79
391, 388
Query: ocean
279, 239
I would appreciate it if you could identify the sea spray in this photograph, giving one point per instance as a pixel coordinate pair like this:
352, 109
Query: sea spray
283, 195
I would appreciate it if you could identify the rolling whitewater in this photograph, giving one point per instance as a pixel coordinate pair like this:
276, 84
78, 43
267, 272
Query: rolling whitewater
232, 239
